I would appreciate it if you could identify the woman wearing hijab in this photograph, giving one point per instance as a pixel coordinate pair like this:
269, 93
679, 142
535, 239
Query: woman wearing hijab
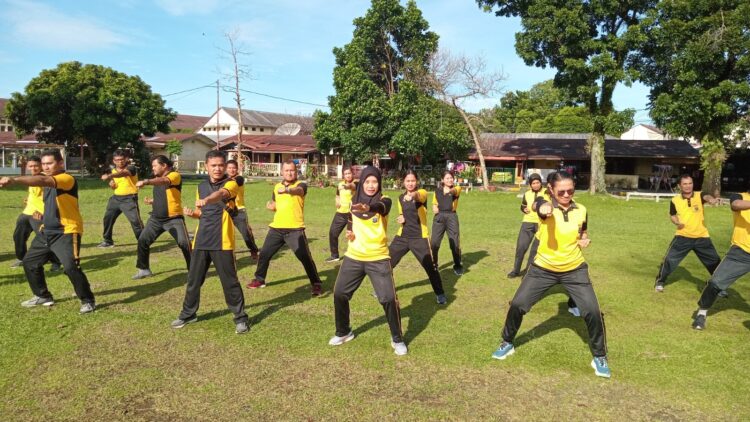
367, 255
529, 225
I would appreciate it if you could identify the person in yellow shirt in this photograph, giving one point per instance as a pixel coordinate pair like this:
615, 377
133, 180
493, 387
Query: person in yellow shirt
344, 191
735, 264
166, 214
413, 235
367, 255
60, 234
559, 260
444, 204
529, 225
124, 200
240, 220
287, 228
686, 212
30, 219
214, 242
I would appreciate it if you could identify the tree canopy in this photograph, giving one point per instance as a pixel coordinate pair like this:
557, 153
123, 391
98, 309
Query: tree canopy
697, 62
76, 103
547, 109
379, 107
590, 44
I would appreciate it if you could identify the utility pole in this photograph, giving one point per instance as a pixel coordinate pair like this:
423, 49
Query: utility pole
218, 108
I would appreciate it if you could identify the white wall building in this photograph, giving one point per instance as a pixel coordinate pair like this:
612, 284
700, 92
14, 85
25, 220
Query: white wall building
645, 132
225, 123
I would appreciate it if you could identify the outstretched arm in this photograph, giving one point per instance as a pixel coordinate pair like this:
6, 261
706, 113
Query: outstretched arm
40, 180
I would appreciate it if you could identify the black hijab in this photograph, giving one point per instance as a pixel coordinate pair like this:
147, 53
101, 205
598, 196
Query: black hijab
360, 197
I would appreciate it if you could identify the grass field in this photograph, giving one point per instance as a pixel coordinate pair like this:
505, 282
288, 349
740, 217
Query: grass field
124, 362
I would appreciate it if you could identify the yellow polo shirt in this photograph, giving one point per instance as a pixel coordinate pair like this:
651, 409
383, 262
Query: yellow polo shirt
690, 212
558, 239
290, 209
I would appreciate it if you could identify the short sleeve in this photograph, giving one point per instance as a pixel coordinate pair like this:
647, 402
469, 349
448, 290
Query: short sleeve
734, 197
64, 181
132, 170
458, 190
672, 208
174, 178
338, 188
422, 196
240, 180
303, 185
585, 224
232, 187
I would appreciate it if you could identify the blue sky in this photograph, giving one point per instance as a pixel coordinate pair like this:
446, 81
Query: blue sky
174, 45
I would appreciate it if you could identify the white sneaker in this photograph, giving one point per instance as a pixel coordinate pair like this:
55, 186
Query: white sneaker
87, 308
36, 301
338, 341
399, 348
575, 311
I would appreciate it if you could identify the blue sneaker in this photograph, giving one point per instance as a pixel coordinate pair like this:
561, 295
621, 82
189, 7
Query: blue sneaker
506, 349
601, 367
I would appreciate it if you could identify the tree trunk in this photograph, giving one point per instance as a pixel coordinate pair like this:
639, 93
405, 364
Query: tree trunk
713, 156
475, 137
596, 150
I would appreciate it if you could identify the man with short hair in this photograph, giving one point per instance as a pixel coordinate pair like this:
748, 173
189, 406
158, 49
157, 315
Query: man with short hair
288, 227
240, 219
122, 179
165, 216
60, 234
214, 242
686, 212
30, 219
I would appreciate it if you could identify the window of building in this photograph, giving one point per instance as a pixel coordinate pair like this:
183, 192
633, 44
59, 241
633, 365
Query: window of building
254, 129
261, 129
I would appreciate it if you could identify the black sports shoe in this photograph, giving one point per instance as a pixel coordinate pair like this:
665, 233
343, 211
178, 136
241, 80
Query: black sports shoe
514, 274
699, 323
105, 244
333, 259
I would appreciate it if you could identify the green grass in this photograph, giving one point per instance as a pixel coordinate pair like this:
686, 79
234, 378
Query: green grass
124, 362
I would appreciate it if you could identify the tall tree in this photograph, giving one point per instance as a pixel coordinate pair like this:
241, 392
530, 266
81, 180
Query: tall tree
74, 104
379, 107
697, 62
589, 43
455, 78
239, 73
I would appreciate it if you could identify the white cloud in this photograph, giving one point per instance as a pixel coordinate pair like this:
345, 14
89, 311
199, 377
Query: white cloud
188, 7
41, 25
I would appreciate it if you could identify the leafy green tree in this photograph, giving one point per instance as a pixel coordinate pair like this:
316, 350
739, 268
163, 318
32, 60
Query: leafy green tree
74, 104
379, 106
697, 62
590, 44
173, 147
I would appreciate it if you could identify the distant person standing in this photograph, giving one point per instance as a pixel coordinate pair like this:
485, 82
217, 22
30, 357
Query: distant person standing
214, 243
166, 214
444, 204
60, 234
734, 265
344, 191
529, 225
124, 200
30, 219
240, 220
413, 235
367, 255
287, 228
686, 212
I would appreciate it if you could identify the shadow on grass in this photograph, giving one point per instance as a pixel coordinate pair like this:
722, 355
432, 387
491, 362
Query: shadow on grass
299, 295
681, 273
734, 301
142, 291
747, 324
563, 320
424, 307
